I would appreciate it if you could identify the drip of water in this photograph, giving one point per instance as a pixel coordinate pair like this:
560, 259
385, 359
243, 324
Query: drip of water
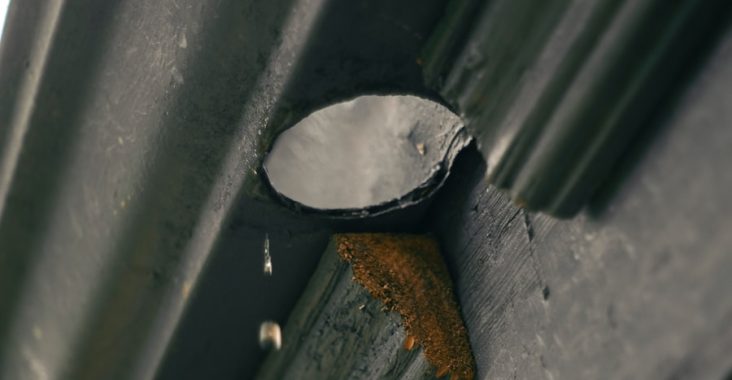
267, 257
270, 335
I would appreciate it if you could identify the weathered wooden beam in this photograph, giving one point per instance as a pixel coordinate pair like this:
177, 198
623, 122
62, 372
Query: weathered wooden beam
373, 299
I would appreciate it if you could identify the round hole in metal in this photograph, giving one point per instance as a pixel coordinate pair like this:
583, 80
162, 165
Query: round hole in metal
368, 151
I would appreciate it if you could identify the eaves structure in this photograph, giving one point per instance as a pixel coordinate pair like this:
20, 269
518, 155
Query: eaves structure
134, 207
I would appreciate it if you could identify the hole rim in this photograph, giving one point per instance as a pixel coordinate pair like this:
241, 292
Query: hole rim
417, 195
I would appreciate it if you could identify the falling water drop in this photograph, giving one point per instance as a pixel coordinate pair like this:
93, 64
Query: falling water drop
270, 335
420, 148
267, 257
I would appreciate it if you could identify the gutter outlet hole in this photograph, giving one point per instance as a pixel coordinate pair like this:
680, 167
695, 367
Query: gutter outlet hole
368, 151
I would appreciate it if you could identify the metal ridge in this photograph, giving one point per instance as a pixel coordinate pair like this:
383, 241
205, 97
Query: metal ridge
554, 91
133, 208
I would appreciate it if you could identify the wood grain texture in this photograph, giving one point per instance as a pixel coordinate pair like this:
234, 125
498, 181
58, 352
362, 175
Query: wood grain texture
407, 273
636, 287
338, 331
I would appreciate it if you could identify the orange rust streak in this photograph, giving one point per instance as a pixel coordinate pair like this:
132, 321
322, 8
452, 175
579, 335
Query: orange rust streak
409, 343
407, 273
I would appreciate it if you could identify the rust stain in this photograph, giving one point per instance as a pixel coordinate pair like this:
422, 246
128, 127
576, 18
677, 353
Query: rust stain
409, 343
407, 273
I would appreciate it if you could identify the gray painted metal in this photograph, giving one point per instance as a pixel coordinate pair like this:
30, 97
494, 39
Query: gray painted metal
635, 287
133, 208
554, 91
133, 211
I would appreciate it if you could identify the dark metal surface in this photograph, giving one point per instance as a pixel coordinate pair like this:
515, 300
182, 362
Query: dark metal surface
553, 92
133, 211
133, 208
637, 286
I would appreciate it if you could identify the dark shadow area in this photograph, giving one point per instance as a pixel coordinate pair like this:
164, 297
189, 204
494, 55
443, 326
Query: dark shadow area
218, 336
468, 172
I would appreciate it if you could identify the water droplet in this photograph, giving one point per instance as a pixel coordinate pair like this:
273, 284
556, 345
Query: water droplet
420, 148
267, 257
270, 335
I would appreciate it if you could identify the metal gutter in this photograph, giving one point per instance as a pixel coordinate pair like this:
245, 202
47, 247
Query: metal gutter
132, 187
133, 206
554, 92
